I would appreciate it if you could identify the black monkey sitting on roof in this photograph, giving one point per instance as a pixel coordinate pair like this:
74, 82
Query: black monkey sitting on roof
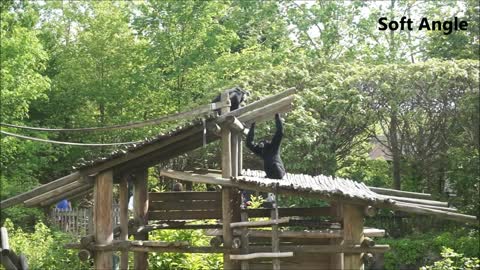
269, 151
237, 95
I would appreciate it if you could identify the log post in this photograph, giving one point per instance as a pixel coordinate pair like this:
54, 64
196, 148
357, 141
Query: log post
102, 218
275, 237
123, 202
140, 209
227, 193
336, 259
352, 234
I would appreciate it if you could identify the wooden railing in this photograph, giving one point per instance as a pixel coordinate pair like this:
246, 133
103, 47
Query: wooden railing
78, 221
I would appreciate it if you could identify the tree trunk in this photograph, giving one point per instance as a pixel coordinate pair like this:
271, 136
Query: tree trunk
396, 155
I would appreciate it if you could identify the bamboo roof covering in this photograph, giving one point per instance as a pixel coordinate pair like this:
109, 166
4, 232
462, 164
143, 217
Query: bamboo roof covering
326, 186
329, 189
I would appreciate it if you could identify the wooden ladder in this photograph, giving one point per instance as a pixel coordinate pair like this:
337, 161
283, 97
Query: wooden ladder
275, 255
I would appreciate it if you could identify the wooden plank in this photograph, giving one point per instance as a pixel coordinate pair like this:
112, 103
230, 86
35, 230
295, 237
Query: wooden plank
318, 234
192, 142
185, 205
433, 212
260, 255
261, 223
198, 178
352, 235
330, 249
400, 193
60, 191
419, 201
123, 204
301, 249
372, 232
70, 195
185, 196
184, 215
103, 226
269, 113
448, 209
39, 190
142, 151
140, 210
258, 104
296, 211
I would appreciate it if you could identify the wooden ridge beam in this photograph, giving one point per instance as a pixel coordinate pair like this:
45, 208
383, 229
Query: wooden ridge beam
40, 190
55, 193
72, 194
258, 104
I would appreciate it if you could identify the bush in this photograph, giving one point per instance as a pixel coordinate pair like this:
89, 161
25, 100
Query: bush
417, 250
453, 261
44, 248
182, 261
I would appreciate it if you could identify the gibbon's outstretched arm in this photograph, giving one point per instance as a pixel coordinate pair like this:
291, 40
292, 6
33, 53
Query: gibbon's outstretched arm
277, 137
253, 147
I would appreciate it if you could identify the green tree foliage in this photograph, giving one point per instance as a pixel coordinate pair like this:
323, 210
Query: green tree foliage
43, 248
98, 63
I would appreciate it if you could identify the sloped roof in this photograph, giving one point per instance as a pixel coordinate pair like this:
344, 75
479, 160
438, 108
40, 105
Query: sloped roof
326, 186
149, 152
329, 189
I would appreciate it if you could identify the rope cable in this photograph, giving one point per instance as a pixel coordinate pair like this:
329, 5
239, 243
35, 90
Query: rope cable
202, 110
64, 143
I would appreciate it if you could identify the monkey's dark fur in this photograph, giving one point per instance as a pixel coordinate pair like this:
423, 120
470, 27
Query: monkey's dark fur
237, 95
269, 151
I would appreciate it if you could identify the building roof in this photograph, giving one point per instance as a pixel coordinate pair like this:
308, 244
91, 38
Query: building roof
330, 189
149, 152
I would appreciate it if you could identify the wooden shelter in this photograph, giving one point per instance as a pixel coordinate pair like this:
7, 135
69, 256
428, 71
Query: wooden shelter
330, 237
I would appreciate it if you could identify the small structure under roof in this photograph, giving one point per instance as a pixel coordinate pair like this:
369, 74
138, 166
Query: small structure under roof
333, 237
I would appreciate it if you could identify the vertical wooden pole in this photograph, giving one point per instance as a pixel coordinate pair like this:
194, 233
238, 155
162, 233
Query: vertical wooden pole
352, 234
240, 155
140, 209
336, 259
102, 212
275, 237
226, 192
123, 203
234, 152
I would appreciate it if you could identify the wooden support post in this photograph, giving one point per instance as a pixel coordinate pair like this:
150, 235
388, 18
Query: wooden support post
234, 152
353, 234
102, 218
123, 202
245, 241
227, 193
336, 260
140, 209
275, 237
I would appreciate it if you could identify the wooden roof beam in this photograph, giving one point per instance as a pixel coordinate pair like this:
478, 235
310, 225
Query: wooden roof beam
40, 190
